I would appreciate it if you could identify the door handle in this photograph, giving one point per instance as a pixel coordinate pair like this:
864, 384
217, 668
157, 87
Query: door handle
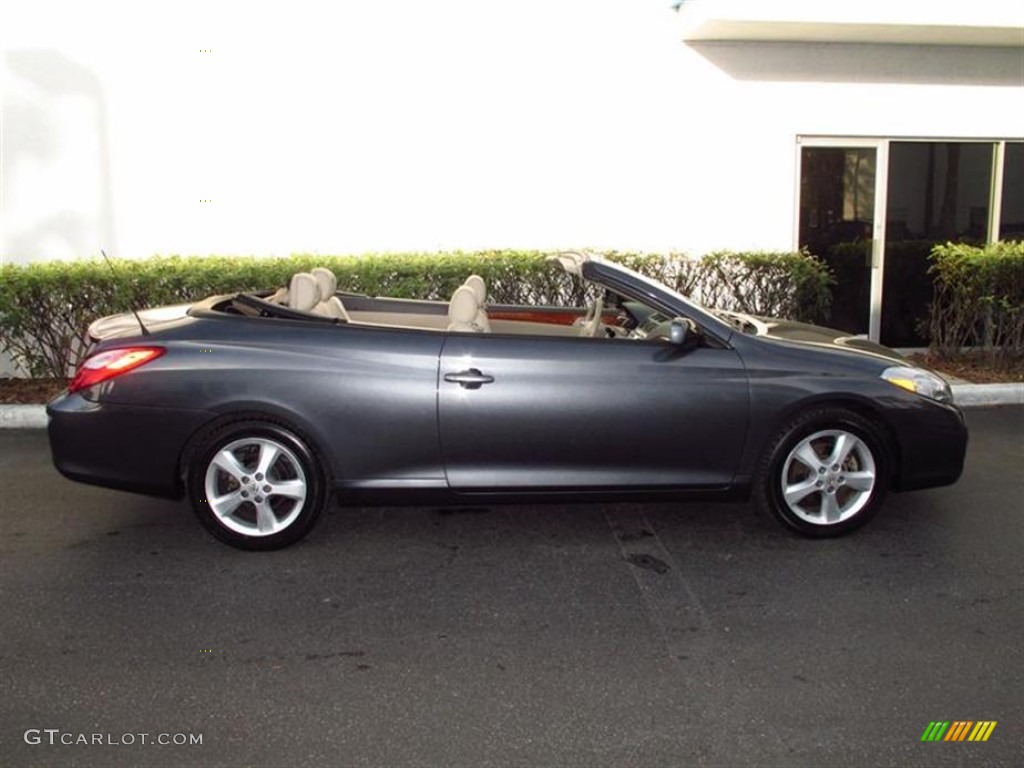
470, 379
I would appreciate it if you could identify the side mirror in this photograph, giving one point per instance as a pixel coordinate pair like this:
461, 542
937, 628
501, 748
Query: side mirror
679, 331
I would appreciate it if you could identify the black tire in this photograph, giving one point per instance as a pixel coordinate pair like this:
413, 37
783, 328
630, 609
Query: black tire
826, 501
271, 515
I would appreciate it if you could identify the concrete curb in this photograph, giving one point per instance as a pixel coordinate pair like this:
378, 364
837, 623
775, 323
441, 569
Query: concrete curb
965, 395
972, 395
22, 416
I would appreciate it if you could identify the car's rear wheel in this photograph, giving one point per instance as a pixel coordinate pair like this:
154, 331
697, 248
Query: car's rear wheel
256, 485
826, 473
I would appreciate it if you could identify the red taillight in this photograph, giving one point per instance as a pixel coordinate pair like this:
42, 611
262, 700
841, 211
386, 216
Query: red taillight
107, 365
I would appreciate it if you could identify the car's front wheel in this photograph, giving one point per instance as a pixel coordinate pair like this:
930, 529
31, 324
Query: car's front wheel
256, 485
826, 473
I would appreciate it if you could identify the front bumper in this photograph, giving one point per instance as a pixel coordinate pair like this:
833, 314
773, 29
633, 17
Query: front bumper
128, 447
933, 443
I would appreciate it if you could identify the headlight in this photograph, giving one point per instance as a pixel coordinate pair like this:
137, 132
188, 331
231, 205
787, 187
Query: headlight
919, 381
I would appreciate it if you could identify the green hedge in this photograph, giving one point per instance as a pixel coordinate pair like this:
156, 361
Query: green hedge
767, 283
45, 307
979, 300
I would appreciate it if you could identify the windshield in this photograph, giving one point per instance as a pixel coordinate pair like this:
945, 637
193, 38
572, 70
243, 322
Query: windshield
666, 297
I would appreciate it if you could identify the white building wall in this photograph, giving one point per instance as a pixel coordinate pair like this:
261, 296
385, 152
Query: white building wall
443, 125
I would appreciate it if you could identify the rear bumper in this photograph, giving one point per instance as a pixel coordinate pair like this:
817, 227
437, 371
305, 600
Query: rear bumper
130, 448
933, 443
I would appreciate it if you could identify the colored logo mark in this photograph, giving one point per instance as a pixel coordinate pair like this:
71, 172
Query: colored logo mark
959, 730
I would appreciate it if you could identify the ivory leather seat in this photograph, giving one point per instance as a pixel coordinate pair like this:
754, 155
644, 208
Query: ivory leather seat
462, 311
479, 288
329, 305
303, 292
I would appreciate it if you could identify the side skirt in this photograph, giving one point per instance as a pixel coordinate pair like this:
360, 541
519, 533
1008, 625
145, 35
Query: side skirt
433, 495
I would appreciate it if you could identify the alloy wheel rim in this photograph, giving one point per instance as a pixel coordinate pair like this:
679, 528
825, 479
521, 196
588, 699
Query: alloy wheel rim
255, 486
828, 477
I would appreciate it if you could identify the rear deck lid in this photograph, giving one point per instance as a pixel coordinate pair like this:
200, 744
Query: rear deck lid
125, 324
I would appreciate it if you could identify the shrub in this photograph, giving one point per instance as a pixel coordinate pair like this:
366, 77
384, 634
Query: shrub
978, 300
794, 285
46, 307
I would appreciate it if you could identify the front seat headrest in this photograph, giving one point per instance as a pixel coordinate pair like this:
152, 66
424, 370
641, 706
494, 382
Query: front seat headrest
462, 310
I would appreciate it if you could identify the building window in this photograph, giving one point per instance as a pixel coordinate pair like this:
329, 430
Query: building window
921, 193
837, 210
1011, 209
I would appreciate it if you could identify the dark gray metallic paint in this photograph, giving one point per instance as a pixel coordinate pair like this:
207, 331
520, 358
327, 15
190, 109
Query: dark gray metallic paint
591, 413
562, 414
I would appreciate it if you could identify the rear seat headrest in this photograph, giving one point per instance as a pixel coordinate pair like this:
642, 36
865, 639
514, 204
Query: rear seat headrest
476, 283
303, 292
327, 281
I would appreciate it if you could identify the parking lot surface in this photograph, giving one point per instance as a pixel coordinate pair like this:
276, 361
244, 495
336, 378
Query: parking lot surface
564, 635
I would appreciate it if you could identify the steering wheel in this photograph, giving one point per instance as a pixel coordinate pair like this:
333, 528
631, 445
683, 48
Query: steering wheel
592, 323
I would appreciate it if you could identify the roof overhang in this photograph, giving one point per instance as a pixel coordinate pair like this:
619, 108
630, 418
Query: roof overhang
979, 22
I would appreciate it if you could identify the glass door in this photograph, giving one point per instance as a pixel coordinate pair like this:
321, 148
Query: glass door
938, 192
838, 221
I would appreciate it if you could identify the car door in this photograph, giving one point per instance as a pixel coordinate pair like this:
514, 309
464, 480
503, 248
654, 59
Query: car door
536, 413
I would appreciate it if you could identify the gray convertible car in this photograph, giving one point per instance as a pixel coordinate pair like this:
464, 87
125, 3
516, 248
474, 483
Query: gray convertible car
259, 407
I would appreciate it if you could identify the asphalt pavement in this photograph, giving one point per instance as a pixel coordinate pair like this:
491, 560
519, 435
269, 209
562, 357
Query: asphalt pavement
567, 635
